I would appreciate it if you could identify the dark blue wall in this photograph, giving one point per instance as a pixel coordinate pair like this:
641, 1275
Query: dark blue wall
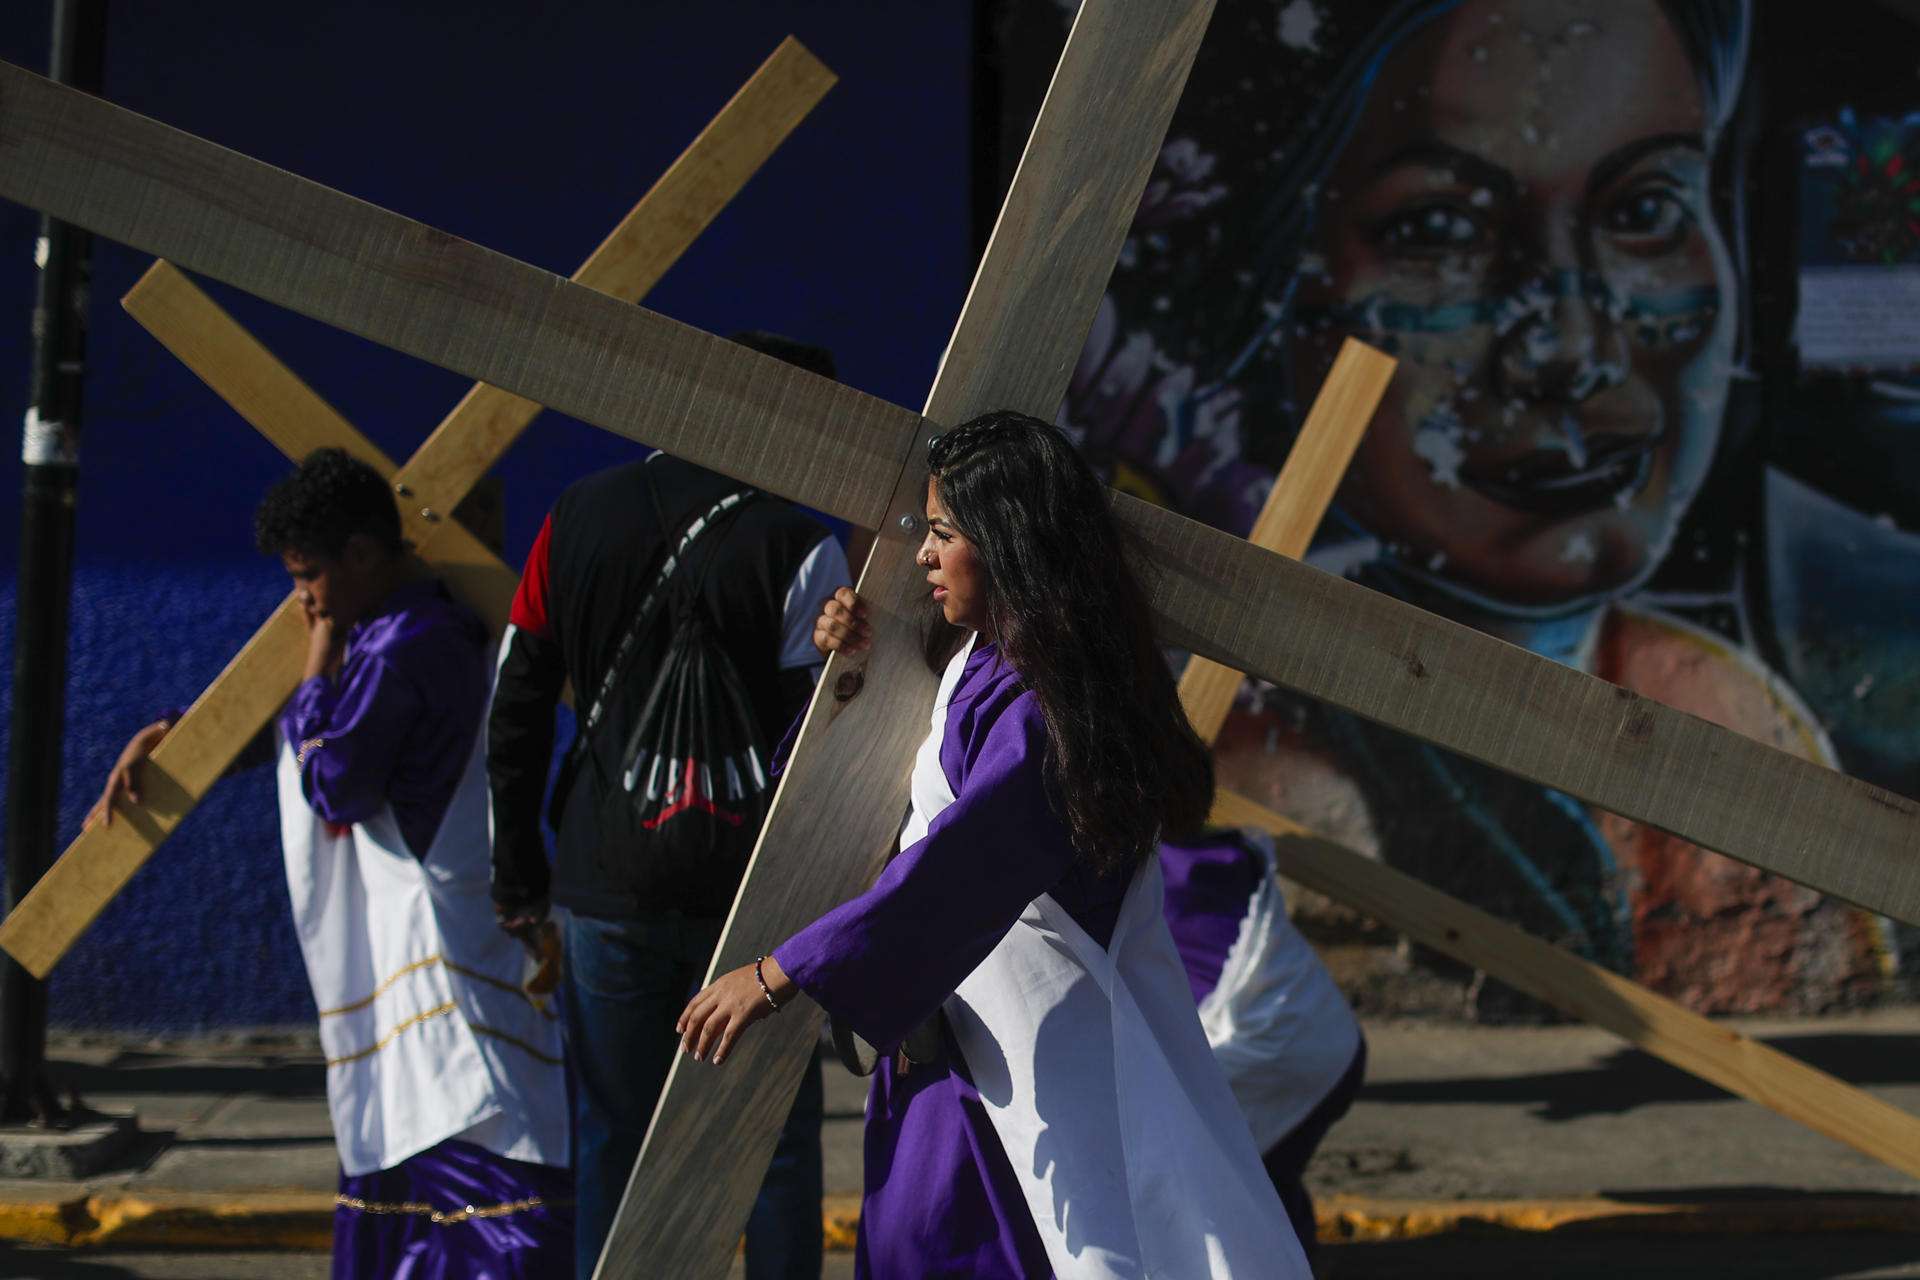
530, 133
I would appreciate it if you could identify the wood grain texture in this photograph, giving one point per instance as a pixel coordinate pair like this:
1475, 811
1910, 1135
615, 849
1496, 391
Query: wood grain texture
1448, 684
189, 760
1299, 498
1654, 1024
840, 801
1666, 1030
239, 369
452, 303
447, 301
636, 253
465, 445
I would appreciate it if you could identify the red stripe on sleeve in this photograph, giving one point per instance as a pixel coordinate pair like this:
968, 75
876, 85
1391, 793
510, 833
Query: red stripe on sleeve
530, 612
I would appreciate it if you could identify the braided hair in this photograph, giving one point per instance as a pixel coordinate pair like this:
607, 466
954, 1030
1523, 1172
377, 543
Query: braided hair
1122, 762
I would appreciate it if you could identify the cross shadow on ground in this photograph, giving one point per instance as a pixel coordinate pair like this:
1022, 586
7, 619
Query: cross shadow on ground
1568, 1255
135, 1072
1628, 1078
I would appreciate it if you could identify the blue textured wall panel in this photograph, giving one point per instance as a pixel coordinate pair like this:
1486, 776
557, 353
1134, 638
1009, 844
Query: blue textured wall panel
527, 131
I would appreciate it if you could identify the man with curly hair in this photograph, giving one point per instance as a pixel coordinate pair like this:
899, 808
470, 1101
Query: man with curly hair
444, 1075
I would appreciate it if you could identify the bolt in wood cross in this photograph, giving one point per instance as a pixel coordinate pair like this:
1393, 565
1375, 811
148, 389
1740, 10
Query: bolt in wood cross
516, 327
486, 422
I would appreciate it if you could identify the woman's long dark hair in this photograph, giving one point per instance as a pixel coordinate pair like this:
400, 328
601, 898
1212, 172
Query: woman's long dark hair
1123, 764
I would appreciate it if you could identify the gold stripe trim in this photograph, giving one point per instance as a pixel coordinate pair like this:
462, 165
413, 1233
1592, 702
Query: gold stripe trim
543, 1007
391, 1036
386, 985
515, 1041
487, 978
449, 1218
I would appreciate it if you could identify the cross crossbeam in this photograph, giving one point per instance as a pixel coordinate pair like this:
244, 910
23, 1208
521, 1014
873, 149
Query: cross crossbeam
626, 265
452, 303
1658, 1026
837, 809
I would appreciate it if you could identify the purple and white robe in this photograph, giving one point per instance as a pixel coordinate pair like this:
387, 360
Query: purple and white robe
444, 1080
1278, 1024
1078, 1124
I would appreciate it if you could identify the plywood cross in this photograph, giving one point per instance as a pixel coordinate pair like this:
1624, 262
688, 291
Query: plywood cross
418, 290
1651, 1022
633, 257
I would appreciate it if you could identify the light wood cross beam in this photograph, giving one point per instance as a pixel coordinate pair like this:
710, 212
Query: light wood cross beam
405, 285
445, 300
838, 806
290, 414
1650, 1022
647, 241
394, 281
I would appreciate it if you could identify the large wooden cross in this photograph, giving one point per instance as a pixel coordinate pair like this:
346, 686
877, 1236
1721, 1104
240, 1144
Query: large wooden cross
1653, 1023
511, 325
264, 392
486, 422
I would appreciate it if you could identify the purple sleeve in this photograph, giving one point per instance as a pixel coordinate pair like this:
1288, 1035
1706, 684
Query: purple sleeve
1209, 888
882, 963
347, 736
784, 752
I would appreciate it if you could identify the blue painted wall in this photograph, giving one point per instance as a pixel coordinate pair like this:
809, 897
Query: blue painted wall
527, 131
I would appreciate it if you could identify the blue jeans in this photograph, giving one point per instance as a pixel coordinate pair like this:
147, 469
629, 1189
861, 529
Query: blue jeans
627, 981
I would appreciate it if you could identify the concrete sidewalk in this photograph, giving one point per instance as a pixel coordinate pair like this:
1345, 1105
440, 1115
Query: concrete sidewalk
1460, 1130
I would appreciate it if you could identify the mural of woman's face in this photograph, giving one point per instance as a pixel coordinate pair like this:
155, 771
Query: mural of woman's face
1521, 216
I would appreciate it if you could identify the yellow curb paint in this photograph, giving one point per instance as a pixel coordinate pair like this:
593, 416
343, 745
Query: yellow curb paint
840, 1222
295, 1220
303, 1221
43, 1223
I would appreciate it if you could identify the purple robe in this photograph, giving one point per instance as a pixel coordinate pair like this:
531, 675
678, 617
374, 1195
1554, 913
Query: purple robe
456, 1211
396, 727
397, 724
1209, 888
940, 1197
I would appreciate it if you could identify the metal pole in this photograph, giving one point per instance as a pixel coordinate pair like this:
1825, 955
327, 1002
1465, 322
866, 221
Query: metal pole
50, 449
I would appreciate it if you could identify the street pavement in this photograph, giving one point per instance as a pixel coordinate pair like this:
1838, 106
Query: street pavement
1449, 1112
1877, 1256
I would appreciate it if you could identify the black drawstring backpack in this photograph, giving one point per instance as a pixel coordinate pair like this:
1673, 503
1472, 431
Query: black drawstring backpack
678, 822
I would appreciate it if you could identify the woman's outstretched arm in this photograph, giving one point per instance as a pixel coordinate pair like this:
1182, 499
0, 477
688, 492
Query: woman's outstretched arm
883, 962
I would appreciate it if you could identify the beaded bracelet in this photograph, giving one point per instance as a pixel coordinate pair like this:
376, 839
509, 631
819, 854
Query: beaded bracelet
764, 989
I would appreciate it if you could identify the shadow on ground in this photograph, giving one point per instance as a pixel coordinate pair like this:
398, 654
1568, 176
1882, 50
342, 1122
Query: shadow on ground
144, 1073
1563, 1256
59, 1264
1627, 1078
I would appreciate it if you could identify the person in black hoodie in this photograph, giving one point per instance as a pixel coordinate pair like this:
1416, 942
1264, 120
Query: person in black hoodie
637, 944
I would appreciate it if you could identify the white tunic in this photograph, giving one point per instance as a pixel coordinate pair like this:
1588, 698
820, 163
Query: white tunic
427, 1032
1277, 1022
1134, 1159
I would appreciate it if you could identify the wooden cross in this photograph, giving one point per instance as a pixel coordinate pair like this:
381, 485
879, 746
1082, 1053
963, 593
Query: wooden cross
486, 422
1653, 1023
424, 292
275, 401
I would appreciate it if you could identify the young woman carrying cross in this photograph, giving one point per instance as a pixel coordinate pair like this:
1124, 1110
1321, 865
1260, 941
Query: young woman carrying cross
1075, 1121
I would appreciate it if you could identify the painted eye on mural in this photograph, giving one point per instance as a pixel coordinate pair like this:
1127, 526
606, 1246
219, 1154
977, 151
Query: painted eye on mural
1648, 219
1432, 228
